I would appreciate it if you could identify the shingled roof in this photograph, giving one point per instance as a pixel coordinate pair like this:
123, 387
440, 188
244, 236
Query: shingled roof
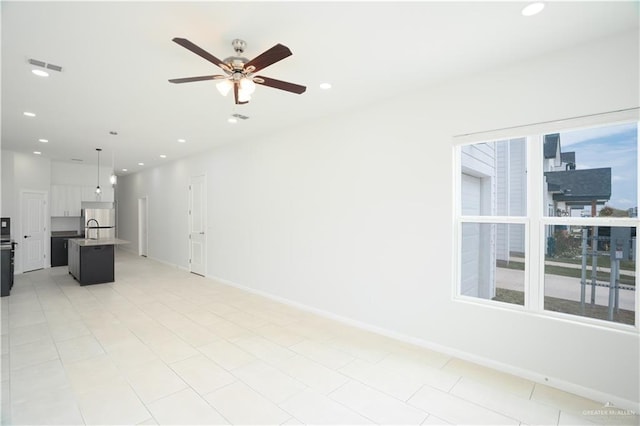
580, 186
568, 157
551, 145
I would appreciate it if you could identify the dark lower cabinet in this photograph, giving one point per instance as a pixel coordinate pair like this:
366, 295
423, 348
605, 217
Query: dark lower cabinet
7, 266
59, 251
91, 264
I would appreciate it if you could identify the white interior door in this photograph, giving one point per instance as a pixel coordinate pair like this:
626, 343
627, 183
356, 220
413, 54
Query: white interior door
143, 226
197, 235
32, 239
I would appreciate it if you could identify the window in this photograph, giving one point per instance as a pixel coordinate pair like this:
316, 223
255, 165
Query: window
492, 274
591, 272
559, 207
493, 187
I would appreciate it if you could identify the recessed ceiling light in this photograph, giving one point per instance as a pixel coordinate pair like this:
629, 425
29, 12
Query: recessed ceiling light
40, 73
232, 120
182, 140
163, 156
37, 152
125, 170
43, 140
325, 86
533, 9
29, 114
140, 164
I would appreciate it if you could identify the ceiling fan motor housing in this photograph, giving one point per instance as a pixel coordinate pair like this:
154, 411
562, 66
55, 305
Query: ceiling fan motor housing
236, 62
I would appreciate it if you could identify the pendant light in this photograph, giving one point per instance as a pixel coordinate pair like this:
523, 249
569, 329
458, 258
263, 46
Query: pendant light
98, 190
113, 179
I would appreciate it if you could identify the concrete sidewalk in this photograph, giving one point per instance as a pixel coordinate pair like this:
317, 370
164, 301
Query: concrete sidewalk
563, 288
576, 266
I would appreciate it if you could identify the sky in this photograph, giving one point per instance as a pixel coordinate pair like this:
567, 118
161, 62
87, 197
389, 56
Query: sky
610, 146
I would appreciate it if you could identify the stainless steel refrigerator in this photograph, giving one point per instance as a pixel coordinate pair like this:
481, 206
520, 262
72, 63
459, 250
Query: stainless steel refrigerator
99, 223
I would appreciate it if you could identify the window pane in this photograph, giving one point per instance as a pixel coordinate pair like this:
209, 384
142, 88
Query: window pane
493, 177
591, 271
592, 172
492, 261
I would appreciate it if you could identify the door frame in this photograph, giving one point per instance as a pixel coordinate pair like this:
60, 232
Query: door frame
203, 203
143, 226
47, 233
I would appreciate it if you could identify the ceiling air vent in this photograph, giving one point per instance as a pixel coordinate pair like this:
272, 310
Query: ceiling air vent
240, 116
37, 63
54, 67
45, 65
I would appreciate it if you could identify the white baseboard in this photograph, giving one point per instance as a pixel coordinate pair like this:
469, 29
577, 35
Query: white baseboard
563, 385
164, 262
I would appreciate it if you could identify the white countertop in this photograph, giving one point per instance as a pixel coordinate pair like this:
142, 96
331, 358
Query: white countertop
87, 242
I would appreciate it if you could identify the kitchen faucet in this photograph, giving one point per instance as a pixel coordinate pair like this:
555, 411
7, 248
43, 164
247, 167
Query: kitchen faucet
97, 228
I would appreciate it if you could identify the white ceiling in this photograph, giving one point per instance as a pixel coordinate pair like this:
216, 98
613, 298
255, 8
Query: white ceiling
118, 56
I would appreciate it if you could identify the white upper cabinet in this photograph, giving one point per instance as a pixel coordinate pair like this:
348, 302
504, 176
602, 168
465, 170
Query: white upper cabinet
66, 200
71, 184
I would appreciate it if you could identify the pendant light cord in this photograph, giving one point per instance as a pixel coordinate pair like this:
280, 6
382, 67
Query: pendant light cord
98, 187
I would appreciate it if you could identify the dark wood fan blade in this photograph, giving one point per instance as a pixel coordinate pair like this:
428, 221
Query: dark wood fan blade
200, 52
201, 78
271, 56
282, 85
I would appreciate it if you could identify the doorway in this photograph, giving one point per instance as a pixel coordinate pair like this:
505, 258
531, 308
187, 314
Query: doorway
143, 226
33, 220
197, 225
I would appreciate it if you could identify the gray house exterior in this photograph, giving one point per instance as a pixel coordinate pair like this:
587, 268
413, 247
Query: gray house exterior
493, 180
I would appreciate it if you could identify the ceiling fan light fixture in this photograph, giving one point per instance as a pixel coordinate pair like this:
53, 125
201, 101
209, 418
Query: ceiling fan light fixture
224, 87
239, 70
247, 85
243, 96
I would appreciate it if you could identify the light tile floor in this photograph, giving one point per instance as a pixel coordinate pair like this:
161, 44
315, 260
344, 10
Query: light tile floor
162, 346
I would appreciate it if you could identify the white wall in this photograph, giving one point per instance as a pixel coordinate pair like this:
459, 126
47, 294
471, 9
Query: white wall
8, 208
64, 173
353, 215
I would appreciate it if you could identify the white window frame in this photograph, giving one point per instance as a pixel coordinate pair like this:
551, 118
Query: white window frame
536, 220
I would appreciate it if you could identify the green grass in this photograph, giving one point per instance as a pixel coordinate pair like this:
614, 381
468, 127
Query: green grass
568, 307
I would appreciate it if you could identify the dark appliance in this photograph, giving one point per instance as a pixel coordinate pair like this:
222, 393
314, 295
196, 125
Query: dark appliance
91, 264
5, 229
8, 250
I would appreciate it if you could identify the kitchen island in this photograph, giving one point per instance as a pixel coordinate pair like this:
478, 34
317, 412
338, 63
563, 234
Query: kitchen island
91, 261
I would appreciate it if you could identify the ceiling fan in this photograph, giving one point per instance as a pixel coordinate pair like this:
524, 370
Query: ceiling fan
239, 71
